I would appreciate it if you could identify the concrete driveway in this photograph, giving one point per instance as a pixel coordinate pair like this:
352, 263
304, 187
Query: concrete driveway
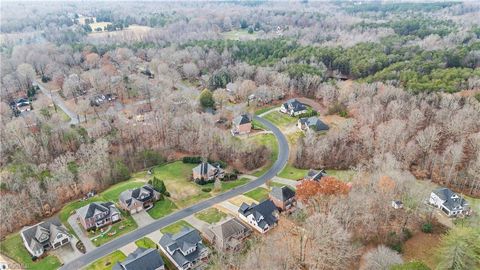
68, 252
142, 218
72, 220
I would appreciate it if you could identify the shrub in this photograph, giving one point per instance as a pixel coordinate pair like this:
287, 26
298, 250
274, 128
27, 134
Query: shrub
206, 189
310, 113
397, 247
230, 177
407, 234
415, 265
159, 185
427, 227
192, 160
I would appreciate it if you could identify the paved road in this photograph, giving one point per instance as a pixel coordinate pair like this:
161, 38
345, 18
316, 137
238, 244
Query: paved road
59, 102
160, 223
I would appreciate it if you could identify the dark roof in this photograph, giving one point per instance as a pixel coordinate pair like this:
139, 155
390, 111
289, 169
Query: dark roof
141, 259
142, 194
203, 168
294, 105
264, 210
282, 193
314, 123
182, 241
315, 175
229, 228
48, 229
452, 200
242, 119
89, 210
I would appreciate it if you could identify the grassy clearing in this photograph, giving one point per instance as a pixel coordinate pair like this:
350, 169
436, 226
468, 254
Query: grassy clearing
293, 137
290, 172
127, 224
175, 227
344, 175
270, 142
238, 200
211, 215
275, 184
107, 262
422, 247
112, 193
13, 247
280, 119
258, 194
145, 243
162, 208
257, 125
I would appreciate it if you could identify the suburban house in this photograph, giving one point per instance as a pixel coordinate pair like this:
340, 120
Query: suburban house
311, 123
44, 236
98, 214
207, 171
185, 249
283, 197
228, 235
293, 107
449, 201
141, 259
262, 217
314, 175
136, 200
242, 124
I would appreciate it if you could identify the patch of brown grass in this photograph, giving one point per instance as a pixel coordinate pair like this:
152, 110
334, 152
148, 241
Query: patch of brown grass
421, 247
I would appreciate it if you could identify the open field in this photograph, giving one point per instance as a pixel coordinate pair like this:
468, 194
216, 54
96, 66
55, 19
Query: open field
211, 215
107, 262
176, 227
145, 242
13, 247
259, 194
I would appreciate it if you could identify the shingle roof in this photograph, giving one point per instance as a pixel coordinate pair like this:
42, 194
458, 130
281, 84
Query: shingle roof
141, 259
295, 105
264, 210
452, 200
89, 210
50, 228
282, 193
241, 119
187, 238
203, 168
315, 175
141, 194
228, 228
314, 123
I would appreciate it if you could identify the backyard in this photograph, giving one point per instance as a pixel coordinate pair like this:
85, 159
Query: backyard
211, 215
12, 246
107, 262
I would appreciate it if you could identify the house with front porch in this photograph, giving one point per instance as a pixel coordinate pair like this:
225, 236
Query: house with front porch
98, 214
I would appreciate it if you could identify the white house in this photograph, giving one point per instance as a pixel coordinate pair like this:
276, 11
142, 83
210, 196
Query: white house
293, 107
449, 202
261, 217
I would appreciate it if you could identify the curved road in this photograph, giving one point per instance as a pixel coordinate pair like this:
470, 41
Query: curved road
183, 213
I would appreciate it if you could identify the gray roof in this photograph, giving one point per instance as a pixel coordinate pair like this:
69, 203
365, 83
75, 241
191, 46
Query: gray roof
294, 105
140, 194
452, 200
229, 228
141, 259
242, 119
182, 241
203, 168
282, 193
89, 210
265, 210
315, 175
49, 229
314, 123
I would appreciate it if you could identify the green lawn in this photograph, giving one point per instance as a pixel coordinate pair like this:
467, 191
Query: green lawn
270, 142
113, 192
265, 109
275, 184
107, 262
211, 215
290, 172
293, 137
127, 224
344, 175
280, 119
175, 227
162, 208
258, 194
227, 185
193, 199
13, 247
257, 125
145, 243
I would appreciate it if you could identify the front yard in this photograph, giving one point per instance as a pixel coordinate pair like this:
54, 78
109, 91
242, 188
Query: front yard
211, 215
127, 224
291, 172
145, 243
13, 247
280, 119
107, 262
259, 194
175, 227
162, 208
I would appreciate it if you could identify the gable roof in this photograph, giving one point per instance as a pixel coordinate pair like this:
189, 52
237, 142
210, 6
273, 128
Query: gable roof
314, 123
294, 105
242, 119
94, 208
315, 175
140, 194
282, 193
229, 228
177, 245
203, 168
452, 200
141, 259
48, 229
263, 213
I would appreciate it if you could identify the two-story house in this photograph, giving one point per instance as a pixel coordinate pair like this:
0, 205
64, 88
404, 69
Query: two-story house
262, 217
228, 235
207, 171
136, 200
449, 202
293, 107
141, 259
283, 197
44, 236
241, 124
185, 249
98, 214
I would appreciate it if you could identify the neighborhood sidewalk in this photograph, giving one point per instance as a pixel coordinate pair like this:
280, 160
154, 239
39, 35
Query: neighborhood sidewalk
72, 220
